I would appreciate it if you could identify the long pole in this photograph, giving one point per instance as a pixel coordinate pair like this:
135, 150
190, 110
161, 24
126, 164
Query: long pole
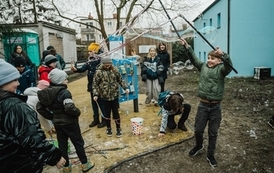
208, 43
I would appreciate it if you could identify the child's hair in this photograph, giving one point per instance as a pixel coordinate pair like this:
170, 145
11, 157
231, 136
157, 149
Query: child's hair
215, 54
148, 55
175, 102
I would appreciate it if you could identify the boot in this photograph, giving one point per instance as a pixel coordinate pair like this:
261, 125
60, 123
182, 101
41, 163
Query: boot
95, 122
102, 124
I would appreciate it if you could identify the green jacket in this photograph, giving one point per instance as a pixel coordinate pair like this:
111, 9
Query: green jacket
211, 81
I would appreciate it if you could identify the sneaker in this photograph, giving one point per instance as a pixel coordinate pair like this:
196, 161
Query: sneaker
211, 160
109, 133
182, 127
195, 150
67, 169
94, 123
271, 123
119, 133
87, 166
102, 124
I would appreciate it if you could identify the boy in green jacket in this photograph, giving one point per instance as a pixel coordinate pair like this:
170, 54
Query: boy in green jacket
210, 92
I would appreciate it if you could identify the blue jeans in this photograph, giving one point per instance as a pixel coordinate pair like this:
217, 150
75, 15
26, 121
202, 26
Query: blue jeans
211, 114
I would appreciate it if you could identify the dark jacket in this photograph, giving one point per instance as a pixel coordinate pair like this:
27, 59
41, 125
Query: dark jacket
152, 69
90, 66
61, 61
23, 54
26, 80
212, 79
165, 58
55, 103
23, 144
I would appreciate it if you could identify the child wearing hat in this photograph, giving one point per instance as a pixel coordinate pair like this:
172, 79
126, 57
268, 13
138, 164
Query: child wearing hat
24, 147
91, 66
32, 101
56, 104
46, 67
27, 78
60, 61
106, 82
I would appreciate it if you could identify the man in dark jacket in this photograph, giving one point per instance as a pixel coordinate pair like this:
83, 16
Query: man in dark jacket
91, 65
23, 144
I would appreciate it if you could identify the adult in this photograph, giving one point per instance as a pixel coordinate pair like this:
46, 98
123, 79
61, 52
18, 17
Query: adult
19, 52
61, 63
165, 58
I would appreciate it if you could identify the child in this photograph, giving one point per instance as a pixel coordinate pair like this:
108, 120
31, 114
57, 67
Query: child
91, 65
32, 101
210, 92
106, 86
165, 58
60, 61
151, 72
173, 105
48, 64
55, 103
24, 147
27, 78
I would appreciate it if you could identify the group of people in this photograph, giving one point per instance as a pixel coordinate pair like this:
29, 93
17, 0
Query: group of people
24, 147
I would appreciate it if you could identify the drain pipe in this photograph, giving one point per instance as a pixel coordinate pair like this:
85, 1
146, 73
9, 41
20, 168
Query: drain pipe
228, 26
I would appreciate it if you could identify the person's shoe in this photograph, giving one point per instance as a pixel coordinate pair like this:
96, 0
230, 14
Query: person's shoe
271, 123
102, 124
119, 133
67, 169
109, 133
182, 127
87, 166
195, 150
94, 123
211, 160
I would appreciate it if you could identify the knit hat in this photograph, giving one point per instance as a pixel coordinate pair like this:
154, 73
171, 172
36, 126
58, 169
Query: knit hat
8, 72
57, 76
94, 47
42, 84
106, 60
50, 59
19, 62
50, 47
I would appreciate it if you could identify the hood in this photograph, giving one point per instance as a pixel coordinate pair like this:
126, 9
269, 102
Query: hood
48, 95
31, 91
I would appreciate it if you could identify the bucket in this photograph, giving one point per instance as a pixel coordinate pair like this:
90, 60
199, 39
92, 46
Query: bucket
136, 125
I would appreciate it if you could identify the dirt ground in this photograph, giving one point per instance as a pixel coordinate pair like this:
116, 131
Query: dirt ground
245, 141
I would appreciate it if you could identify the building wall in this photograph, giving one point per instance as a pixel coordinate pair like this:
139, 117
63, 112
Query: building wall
246, 33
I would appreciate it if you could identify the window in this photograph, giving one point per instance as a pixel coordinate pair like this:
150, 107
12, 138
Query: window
90, 37
218, 20
109, 24
120, 24
205, 57
210, 22
89, 24
200, 55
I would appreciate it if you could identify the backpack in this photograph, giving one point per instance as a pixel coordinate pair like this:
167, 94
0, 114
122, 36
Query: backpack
162, 97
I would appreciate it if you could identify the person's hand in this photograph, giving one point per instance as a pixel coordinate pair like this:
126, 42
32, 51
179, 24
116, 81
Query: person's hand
127, 91
95, 98
219, 51
183, 42
160, 134
61, 163
72, 68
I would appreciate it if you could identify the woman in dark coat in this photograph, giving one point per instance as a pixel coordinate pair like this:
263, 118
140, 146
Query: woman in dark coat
19, 52
165, 58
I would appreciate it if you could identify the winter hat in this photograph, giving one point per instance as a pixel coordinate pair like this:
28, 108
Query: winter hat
8, 72
42, 84
50, 59
50, 47
57, 76
106, 60
19, 62
94, 47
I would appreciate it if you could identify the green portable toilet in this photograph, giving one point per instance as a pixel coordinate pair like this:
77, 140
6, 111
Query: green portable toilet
27, 39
